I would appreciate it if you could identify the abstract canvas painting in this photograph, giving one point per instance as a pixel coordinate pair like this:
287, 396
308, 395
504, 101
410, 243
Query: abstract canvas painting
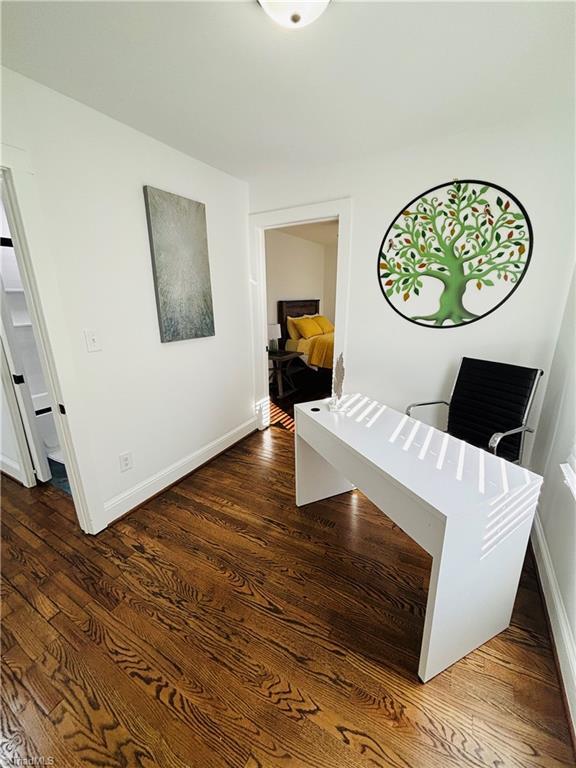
455, 253
179, 246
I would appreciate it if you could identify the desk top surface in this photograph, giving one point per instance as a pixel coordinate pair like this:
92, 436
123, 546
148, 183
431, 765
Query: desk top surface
440, 469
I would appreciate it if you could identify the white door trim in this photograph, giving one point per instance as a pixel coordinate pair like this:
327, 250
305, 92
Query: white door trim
25, 472
258, 223
16, 180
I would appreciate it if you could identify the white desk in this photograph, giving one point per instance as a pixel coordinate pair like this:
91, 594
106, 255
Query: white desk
469, 509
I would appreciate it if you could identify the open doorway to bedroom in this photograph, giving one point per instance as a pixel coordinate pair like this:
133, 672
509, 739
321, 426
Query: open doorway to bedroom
301, 275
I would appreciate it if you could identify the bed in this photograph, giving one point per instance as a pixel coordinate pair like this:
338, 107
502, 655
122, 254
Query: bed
318, 351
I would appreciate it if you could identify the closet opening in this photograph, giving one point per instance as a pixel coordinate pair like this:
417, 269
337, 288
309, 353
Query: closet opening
30, 452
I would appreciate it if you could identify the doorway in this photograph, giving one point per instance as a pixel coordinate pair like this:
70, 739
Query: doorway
301, 267
31, 450
332, 216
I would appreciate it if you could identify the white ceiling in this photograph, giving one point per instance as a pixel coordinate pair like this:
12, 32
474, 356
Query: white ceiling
221, 82
323, 232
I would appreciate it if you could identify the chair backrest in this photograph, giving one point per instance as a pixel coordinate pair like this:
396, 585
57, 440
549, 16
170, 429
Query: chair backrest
491, 397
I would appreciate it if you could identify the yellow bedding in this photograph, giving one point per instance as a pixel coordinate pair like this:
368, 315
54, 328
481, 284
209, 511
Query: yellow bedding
319, 349
298, 345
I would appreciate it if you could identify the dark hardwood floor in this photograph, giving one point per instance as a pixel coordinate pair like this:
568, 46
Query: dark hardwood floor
219, 625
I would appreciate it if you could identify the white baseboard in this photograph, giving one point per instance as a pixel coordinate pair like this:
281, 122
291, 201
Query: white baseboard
563, 635
124, 502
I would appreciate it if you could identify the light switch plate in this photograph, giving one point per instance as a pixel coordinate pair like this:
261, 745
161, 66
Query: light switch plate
92, 341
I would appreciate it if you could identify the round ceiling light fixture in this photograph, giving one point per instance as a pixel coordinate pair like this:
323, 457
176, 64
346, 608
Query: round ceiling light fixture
294, 15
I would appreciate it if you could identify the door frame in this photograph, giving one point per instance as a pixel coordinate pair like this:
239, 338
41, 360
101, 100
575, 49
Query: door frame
259, 222
17, 180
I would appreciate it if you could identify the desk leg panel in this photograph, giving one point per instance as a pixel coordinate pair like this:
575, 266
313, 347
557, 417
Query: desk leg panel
315, 477
471, 595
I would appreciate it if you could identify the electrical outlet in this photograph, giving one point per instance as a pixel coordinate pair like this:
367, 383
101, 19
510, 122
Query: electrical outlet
126, 461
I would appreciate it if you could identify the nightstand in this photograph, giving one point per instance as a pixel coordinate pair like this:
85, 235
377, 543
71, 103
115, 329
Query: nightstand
281, 362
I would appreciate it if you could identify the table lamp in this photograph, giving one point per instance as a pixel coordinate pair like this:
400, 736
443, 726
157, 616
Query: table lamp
274, 333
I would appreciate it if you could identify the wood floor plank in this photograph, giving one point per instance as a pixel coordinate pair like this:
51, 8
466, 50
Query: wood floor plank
104, 721
36, 597
277, 687
16, 743
152, 673
264, 708
32, 632
220, 625
33, 678
27, 736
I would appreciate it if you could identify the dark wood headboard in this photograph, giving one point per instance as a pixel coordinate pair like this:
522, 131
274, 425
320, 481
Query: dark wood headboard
295, 308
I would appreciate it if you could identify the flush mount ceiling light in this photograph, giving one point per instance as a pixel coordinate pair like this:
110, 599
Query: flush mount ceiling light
294, 15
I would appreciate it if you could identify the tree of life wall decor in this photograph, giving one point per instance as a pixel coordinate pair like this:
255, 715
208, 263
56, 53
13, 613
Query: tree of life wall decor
455, 253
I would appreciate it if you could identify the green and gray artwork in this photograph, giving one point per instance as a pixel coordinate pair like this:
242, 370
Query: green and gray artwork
454, 254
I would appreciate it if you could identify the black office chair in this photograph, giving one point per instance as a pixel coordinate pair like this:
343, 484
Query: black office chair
490, 404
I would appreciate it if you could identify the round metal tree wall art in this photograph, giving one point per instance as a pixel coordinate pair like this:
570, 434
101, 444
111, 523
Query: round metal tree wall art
455, 253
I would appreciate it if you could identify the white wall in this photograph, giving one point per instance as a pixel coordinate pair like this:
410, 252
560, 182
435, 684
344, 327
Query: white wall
173, 405
555, 530
386, 356
294, 270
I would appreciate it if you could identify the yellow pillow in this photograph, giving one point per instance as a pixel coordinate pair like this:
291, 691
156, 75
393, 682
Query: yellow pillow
307, 327
293, 332
324, 323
